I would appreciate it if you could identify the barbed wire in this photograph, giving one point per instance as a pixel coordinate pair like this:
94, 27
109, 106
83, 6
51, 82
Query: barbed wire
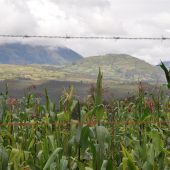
83, 37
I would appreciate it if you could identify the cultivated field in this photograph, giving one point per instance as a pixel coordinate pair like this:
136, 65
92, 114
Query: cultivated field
93, 134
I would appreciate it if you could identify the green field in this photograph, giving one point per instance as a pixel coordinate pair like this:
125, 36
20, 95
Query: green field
93, 134
120, 78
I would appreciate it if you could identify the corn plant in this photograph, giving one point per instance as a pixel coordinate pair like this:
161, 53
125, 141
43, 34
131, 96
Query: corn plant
167, 73
120, 134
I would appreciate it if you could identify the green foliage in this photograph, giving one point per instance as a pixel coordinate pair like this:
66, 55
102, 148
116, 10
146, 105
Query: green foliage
128, 162
3, 159
167, 73
98, 94
120, 135
51, 159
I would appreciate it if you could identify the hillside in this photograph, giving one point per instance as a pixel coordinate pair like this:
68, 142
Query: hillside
16, 53
118, 67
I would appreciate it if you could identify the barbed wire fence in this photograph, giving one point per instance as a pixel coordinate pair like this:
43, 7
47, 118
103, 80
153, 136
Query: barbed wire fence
84, 37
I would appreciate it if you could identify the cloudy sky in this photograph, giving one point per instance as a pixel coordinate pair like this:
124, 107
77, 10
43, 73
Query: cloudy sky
135, 18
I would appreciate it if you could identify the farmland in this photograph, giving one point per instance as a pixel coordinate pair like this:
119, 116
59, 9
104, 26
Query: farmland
91, 134
84, 85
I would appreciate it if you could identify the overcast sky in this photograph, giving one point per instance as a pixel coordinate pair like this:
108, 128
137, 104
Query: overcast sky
136, 18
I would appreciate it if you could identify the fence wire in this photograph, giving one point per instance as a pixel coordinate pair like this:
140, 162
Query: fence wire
85, 37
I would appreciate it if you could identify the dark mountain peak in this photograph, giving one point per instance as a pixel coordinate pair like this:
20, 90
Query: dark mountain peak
68, 54
18, 53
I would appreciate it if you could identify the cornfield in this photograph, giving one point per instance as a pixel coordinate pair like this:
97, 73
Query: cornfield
89, 135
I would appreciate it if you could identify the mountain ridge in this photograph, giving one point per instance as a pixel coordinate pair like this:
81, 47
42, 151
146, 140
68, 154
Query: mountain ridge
72, 66
117, 67
17, 53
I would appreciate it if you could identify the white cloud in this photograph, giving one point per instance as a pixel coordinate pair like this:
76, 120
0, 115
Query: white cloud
83, 4
15, 18
92, 17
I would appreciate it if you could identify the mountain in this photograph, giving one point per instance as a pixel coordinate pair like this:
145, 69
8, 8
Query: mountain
16, 53
118, 67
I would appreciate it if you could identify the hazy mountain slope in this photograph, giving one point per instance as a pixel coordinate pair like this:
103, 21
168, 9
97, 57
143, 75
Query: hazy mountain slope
68, 54
17, 53
117, 67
